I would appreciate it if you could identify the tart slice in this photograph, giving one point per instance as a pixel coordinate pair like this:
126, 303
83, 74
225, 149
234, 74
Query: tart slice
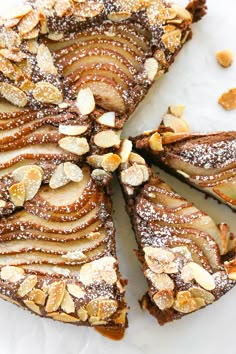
206, 161
58, 259
187, 259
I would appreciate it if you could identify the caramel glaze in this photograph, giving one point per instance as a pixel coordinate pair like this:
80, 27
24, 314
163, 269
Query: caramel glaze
114, 334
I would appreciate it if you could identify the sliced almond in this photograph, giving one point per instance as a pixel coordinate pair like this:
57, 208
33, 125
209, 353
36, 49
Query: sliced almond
194, 271
63, 317
119, 16
95, 160
73, 172
32, 180
230, 268
59, 178
185, 303
56, 294
172, 40
62, 7
45, 60
3, 203
177, 110
208, 297
101, 176
107, 119
85, 101
27, 285
78, 146
160, 281
132, 176
83, 314
55, 36
225, 58
179, 125
45, 92
88, 9
32, 34
164, 299
76, 291
28, 22
107, 138
98, 271
135, 158
181, 12
72, 130
13, 94
155, 142
17, 11
67, 304
12, 274
102, 308
17, 193
14, 55
151, 67
38, 296
145, 171
19, 173
110, 162
125, 150
228, 100
32, 306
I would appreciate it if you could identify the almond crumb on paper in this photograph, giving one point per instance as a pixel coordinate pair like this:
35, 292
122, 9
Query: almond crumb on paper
228, 99
225, 58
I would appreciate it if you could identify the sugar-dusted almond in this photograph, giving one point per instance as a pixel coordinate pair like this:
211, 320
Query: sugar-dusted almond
185, 303
47, 93
12, 274
72, 130
19, 173
27, 285
181, 12
13, 94
155, 142
64, 317
28, 22
88, 9
73, 172
56, 294
78, 146
179, 125
62, 7
208, 297
32, 306
38, 296
98, 271
3, 203
151, 67
194, 271
145, 172
76, 291
110, 162
164, 299
45, 60
95, 160
17, 193
14, 55
160, 281
17, 11
107, 119
101, 176
132, 176
83, 314
172, 40
59, 178
102, 308
136, 158
125, 150
67, 304
119, 16
32, 180
85, 101
107, 138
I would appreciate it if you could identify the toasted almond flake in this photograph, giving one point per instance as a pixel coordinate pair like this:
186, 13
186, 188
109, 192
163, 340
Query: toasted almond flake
17, 193
151, 67
19, 173
28, 22
72, 130
107, 119
177, 110
55, 36
155, 142
47, 93
32, 180
45, 60
228, 100
78, 146
164, 299
17, 12
13, 94
160, 281
62, 7
32, 306
135, 158
179, 125
102, 308
110, 162
59, 178
145, 171
38, 296
132, 176
95, 160
63, 317
67, 304
98, 271
194, 271
230, 268
85, 101
208, 297
182, 12
56, 294
31, 35
125, 150
12, 274
119, 16
184, 302
83, 314
14, 55
88, 9
2, 203
101, 176
27, 285
172, 40
107, 138
225, 58
74, 256
76, 291
73, 172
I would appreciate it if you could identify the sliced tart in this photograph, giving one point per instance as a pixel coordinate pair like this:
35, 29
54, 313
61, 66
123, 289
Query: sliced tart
57, 255
207, 161
188, 260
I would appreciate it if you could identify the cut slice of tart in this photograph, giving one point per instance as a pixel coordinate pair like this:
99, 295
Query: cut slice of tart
188, 260
58, 259
207, 161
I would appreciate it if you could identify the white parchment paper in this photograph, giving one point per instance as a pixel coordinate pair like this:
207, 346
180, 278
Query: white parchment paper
197, 81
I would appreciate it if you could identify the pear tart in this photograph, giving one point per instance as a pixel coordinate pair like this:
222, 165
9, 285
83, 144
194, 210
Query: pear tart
207, 161
57, 256
188, 261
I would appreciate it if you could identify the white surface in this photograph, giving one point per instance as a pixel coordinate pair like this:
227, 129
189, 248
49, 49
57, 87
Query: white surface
197, 81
